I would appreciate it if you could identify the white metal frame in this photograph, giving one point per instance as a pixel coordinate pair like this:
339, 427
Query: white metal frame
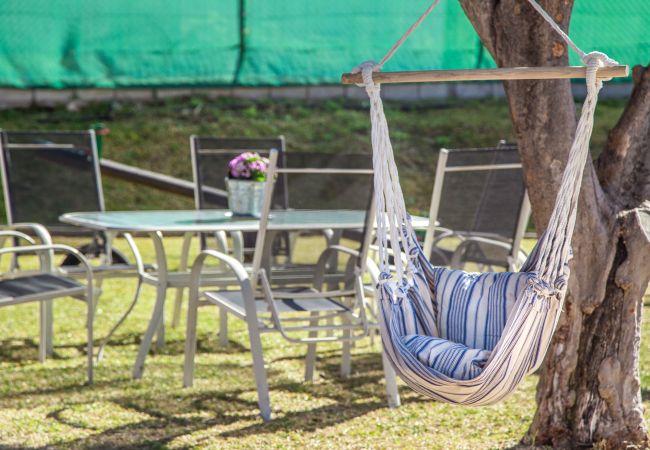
254, 287
430, 240
86, 293
101, 272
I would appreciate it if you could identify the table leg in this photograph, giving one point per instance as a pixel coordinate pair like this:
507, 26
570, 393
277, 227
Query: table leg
158, 314
160, 334
156, 318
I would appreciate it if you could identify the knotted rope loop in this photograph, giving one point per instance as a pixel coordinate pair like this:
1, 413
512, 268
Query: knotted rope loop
594, 61
366, 66
598, 58
541, 287
366, 73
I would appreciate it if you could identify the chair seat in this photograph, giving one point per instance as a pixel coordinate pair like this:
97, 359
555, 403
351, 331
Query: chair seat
234, 301
183, 279
300, 274
37, 287
477, 252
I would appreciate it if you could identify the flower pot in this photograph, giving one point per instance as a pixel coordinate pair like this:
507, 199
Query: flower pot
245, 197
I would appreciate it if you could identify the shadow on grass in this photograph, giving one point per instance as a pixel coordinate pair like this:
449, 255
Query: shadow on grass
26, 350
176, 346
178, 412
171, 413
19, 350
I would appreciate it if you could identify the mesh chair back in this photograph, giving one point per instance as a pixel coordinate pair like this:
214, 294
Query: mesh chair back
482, 191
330, 182
46, 174
210, 158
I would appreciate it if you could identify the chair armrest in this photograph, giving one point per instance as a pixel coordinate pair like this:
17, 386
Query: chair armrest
233, 264
447, 234
45, 251
321, 265
39, 230
458, 252
4, 234
240, 273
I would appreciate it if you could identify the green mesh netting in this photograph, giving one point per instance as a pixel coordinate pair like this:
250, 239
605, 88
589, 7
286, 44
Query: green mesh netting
91, 43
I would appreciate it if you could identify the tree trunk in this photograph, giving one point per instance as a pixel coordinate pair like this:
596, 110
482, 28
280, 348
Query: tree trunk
589, 390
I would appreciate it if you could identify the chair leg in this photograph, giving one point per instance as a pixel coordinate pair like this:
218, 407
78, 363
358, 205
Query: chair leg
310, 359
391, 383
49, 328
156, 318
259, 370
223, 327
178, 304
190, 340
160, 334
346, 351
45, 327
330, 322
90, 319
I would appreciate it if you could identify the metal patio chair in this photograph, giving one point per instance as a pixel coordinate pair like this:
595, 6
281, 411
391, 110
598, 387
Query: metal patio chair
210, 158
479, 209
45, 284
302, 315
48, 173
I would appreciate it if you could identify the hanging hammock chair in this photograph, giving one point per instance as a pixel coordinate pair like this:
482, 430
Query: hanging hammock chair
461, 337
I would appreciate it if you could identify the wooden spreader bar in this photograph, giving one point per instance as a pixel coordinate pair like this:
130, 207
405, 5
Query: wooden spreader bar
504, 73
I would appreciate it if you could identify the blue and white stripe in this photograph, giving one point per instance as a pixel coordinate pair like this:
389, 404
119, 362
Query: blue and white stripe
435, 346
450, 358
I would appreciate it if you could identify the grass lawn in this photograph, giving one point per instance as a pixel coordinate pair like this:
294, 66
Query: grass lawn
49, 405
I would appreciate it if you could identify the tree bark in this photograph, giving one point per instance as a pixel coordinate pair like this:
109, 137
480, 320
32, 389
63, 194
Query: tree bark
589, 390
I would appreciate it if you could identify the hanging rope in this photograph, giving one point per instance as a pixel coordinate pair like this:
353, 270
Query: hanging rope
557, 28
436, 345
393, 224
406, 35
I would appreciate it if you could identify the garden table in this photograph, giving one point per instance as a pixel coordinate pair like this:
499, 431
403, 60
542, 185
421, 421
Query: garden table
156, 223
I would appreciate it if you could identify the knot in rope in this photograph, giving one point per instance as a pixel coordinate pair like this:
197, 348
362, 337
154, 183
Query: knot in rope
384, 278
599, 59
561, 282
366, 69
541, 287
594, 61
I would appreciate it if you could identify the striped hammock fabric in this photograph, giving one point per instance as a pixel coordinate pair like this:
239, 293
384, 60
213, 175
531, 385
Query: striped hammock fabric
460, 337
467, 338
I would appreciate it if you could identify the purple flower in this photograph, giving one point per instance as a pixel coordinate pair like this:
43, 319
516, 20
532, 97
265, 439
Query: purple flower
258, 166
248, 166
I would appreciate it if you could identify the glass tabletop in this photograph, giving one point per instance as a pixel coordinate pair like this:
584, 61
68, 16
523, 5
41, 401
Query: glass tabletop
218, 220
